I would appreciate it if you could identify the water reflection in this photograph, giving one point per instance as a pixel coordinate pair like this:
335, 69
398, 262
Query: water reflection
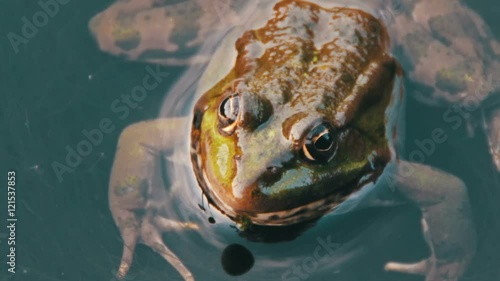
72, 218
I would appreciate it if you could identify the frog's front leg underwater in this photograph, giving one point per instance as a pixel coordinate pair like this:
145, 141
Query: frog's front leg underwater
447, 222
134, 185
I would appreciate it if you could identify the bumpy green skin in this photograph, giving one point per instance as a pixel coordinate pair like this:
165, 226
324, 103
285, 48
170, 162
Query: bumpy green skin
342, 75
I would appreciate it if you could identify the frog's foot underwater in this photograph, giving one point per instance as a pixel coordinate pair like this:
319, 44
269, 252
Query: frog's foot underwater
137, 194
148, 229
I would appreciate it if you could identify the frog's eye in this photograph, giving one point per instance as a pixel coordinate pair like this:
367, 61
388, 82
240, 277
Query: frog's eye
228, 114
320, 144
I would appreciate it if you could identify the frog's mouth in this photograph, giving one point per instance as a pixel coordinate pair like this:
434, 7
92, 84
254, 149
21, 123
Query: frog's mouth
303, 213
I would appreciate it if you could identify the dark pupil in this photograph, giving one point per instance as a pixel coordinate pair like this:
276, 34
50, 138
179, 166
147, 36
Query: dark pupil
230, 108
323, 142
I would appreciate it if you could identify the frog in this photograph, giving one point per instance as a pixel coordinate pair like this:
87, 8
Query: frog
295, 114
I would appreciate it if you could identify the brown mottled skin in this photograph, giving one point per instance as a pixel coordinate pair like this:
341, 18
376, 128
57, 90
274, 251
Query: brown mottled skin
300, 85
290, 73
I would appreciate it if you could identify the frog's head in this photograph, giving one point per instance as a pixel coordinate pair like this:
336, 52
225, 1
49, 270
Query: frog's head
299, 124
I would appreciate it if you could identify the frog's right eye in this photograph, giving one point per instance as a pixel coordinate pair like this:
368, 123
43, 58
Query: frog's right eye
320, 144
228, 113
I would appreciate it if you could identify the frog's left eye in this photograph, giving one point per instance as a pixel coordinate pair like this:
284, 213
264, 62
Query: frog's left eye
228, 113
320, 143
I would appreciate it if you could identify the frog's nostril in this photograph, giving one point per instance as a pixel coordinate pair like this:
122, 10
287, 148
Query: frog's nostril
256, 110
272, 170
271, 175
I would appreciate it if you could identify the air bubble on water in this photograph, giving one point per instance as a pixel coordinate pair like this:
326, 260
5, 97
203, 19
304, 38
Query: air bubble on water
36, 169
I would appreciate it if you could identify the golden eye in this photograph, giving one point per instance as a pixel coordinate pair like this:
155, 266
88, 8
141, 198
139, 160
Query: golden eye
228, 113
320, 144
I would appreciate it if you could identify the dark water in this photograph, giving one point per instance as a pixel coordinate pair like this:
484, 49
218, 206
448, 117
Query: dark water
65, 230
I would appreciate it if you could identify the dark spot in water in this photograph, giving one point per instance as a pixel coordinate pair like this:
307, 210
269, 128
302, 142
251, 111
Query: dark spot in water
211, 220
236, 260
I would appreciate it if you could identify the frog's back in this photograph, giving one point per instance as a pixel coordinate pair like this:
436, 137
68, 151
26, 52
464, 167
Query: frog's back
172, 32
167, 31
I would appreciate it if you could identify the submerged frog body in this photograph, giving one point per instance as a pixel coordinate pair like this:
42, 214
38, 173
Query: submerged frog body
300, 116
